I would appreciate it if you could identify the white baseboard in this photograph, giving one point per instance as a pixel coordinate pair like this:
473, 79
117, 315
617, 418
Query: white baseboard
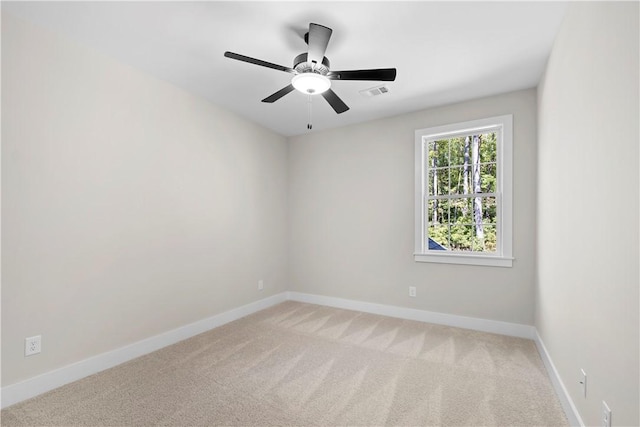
18, 392
565, 399
484, 325
493, 326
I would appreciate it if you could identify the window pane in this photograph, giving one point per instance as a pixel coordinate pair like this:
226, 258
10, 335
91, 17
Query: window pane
488, 145
440, 155
430, 183
456, 183
459, 211
488, 176
484, 238
438, 211
457, 151
431, 154
461, 237
490, 237
489, 206
431, 205
438, 237
441, 178
443, 210
481, 209
438, 181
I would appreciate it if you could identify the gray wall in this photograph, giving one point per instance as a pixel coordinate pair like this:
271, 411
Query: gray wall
587, 298
351, 210
129, 207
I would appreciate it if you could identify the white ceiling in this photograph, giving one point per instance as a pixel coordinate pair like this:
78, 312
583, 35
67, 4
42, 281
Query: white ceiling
444, 52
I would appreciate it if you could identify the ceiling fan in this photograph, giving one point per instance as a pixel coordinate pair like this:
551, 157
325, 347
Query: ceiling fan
311, 70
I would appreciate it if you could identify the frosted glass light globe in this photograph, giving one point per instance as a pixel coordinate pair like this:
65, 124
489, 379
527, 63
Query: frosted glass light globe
311, 83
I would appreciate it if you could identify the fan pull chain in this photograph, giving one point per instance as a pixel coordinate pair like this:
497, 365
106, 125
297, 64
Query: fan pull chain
309, 125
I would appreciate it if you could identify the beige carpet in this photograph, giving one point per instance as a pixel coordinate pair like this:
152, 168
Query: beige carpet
303, 364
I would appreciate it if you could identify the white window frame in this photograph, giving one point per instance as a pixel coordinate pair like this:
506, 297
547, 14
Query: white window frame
504, 193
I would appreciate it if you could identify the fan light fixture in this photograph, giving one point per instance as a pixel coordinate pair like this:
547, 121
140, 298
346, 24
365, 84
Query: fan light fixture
311, 71
311, 83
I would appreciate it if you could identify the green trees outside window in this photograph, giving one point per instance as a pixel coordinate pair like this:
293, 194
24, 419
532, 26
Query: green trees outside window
461, 197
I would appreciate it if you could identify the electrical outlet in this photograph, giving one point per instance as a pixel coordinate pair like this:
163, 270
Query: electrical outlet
606, 415
412, 291
260, 284
32, 345
583, 382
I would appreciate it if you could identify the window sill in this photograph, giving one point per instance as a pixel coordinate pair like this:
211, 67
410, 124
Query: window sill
485, 260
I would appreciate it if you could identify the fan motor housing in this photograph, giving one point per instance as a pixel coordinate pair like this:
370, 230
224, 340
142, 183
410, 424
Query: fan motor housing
301, 65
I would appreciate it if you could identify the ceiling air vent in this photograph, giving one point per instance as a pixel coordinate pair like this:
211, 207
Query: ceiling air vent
375, 91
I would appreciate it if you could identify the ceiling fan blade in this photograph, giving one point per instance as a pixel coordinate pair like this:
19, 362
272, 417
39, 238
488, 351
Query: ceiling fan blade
318, 40
279, 94
335, 101
381, 74
258, 62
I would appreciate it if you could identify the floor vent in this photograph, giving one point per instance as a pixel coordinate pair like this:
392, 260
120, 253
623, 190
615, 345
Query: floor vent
375, 91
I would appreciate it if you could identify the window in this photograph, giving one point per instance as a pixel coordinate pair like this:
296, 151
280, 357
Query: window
463, 193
